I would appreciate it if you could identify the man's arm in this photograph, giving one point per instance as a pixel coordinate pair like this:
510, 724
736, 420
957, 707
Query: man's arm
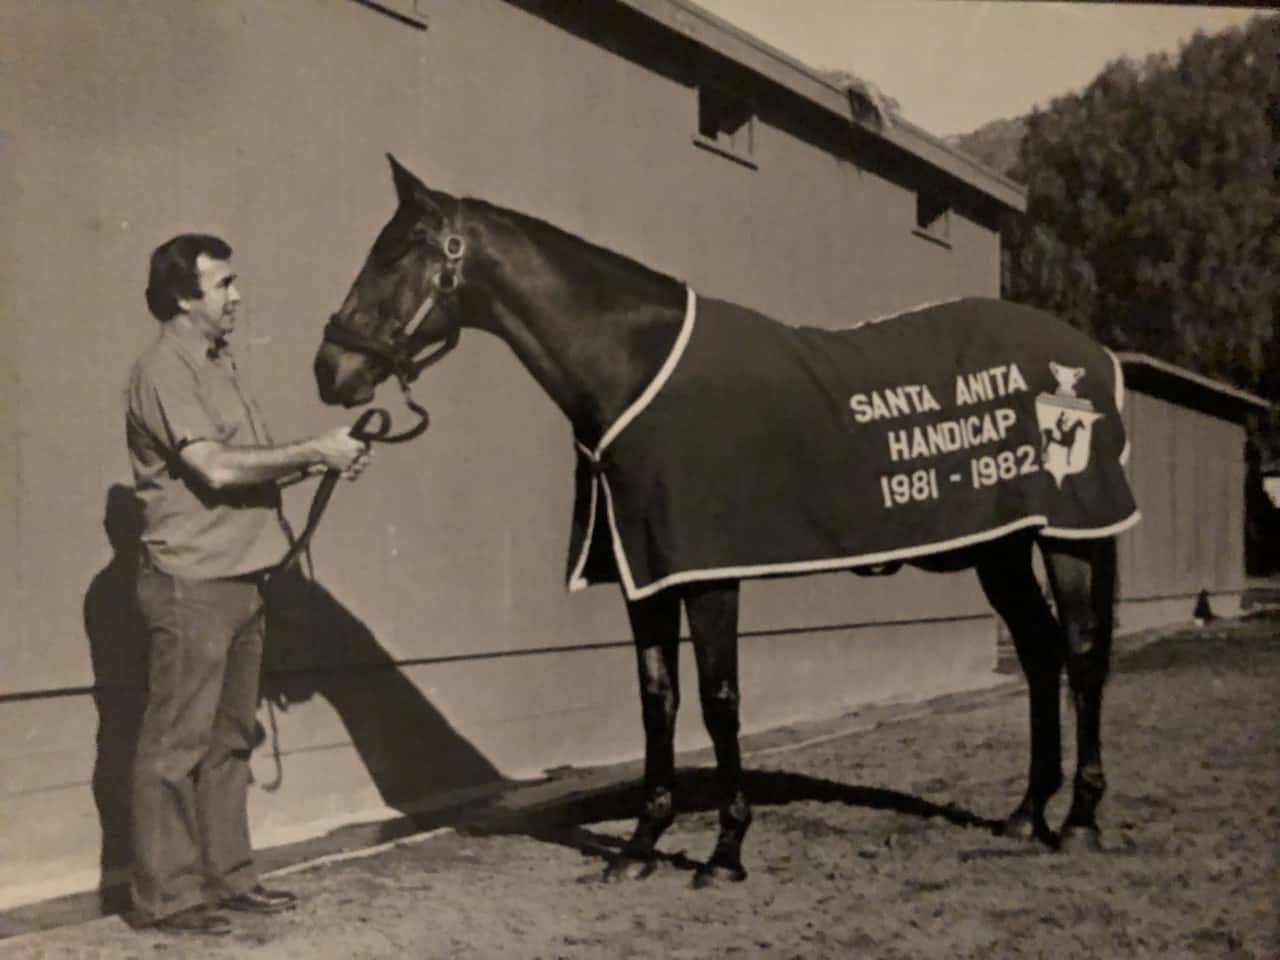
292, 478
221, 466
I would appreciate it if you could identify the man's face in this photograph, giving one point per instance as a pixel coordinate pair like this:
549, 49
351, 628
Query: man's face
214, 314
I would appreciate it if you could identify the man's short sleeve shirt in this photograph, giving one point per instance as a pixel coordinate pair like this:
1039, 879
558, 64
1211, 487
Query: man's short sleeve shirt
180, 393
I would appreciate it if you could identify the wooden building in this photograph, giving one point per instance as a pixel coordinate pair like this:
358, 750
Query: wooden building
445, 654
1187, 468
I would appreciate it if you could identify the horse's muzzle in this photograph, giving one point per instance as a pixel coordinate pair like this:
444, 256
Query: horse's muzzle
342, 377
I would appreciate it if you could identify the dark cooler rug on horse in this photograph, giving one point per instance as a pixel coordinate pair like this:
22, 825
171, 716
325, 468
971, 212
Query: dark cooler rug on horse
763, 449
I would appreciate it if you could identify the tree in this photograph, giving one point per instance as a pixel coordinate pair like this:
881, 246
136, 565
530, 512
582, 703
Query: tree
1153, 217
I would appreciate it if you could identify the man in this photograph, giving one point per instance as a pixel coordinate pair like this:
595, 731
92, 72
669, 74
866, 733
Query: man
208, 477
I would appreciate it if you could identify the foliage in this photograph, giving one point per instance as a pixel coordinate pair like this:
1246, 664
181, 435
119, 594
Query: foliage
997, 144
1153, 216
1154, 207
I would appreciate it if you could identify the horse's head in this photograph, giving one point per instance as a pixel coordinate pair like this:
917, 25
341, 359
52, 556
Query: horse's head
399, 315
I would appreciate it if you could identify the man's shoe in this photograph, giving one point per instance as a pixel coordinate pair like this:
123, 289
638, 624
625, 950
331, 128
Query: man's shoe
261, 900
286, 897
198, 920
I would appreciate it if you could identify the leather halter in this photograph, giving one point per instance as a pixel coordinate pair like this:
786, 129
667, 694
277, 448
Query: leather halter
397, 350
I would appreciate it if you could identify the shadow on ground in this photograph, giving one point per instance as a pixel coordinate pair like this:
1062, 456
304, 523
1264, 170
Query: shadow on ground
1219, 643
566, 822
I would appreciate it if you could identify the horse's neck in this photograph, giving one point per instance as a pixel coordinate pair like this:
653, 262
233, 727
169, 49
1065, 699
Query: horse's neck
591, 327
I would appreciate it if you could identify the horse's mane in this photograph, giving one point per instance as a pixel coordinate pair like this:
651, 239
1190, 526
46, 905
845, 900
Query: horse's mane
577, 250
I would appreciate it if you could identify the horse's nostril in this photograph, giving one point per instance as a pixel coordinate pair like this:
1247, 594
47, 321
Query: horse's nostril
325, 380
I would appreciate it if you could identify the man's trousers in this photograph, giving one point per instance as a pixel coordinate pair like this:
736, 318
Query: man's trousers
191, 771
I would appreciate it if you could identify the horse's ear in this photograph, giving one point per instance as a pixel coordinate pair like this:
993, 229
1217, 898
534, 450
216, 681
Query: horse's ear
412, 192
409, 189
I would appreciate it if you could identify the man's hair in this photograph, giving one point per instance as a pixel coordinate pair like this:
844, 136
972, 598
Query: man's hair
173, 271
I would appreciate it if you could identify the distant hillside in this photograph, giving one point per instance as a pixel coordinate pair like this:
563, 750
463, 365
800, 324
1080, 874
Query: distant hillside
994, 144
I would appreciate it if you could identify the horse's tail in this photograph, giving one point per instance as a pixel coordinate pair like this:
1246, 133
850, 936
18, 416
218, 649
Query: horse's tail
1094, 610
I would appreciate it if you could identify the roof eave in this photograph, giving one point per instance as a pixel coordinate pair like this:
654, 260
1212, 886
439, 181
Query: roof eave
691, 21
1146, 367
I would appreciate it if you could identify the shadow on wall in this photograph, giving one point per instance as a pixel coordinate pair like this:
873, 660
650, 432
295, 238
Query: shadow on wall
118, 650
314, 647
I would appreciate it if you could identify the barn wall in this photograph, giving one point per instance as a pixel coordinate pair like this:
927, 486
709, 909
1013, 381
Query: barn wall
448, 655
1187, 470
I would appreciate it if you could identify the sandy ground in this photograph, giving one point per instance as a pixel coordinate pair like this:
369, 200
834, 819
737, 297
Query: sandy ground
869, 843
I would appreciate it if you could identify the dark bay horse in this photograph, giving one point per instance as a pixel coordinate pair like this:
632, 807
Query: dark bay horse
593, 328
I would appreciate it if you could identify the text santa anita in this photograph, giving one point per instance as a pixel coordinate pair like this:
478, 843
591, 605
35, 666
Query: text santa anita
943, 436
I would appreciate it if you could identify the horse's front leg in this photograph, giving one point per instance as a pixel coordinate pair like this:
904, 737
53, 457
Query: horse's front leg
713, 620
655, 625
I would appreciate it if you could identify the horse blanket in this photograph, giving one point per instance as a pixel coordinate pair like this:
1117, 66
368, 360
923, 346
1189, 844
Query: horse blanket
763, 449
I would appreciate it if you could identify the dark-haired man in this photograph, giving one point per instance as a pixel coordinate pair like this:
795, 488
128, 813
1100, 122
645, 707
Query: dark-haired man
208, 477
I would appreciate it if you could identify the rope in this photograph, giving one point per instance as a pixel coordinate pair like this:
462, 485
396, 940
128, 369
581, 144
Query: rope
301, 547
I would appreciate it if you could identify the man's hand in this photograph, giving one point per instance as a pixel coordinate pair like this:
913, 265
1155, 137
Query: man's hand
338, 450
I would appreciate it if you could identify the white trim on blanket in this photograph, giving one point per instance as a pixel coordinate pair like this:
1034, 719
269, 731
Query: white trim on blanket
660, 379
1119, 379
833, 564
1095, 533
576, 580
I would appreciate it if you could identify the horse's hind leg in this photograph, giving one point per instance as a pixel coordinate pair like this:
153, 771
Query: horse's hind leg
1007, 578
655, 625
712, 609
1082, 575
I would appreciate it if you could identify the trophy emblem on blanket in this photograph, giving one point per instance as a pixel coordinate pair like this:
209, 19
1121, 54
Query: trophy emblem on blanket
1066, 423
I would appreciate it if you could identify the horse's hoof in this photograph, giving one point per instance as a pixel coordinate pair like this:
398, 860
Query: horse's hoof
717, 875
1080, 839
629, 868
1019, 826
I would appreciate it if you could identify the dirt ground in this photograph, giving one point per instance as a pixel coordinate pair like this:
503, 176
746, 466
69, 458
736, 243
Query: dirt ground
870, 843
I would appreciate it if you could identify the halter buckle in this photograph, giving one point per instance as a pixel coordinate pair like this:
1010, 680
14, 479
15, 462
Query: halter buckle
454, 246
